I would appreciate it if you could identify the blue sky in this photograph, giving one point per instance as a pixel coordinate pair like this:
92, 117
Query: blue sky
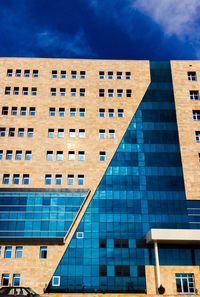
104, 29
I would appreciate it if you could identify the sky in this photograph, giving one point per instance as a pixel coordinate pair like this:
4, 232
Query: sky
100, 29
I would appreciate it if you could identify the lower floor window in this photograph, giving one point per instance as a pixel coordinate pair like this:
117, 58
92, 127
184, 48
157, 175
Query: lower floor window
56, 281
185, 283
16, 279
5, 279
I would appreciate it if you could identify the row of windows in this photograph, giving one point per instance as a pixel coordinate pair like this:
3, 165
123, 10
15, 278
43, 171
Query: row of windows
25, 73
111, 113
23, 111
72, 133
16, 279
20, 132
27, 155
25, 91
118, 243
17, 252
16, 179
71, 156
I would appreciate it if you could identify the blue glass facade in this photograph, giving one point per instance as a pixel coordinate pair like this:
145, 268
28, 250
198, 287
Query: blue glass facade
142, 188
38, 215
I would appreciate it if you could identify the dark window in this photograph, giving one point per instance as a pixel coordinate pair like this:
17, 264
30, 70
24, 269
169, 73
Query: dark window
121, 243
103, 270
192, 75
122, 270
128, 93
102, 243
4, 110
101, 92
43, 252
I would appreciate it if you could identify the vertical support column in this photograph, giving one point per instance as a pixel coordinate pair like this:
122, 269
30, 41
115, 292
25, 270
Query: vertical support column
157, 264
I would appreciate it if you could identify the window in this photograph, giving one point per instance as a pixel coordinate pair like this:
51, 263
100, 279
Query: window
19, 252
53, 91
16, 91
49, 155
185, 283
11, 132
30, 132
70, 179
1, 155
128, 75
35, 73
8, 252
72, 133
51, 133
18, 72
5, 279
73, 92
8, 155
63, 74
103, 270
122, 270
14, 111
119, 75
6, 179
81, 133
110, 75
56, 281
101, 75
28, 155
16, 279
79, 235
34, 91
111, 113
196, 115
58, 179
59, 155
102, 133
121, 243
82, 92
192, 75
194, 95
16, 179
120, 113
128, 93
52, 111
4, 110
102, 156
101, 112
18, 155
101, 92
71, 155
54, 74
43, 252
110, 93
72, 112
61, 112
32, 111
82, 112
0, 250
102, 243
25, 91
9, 72
111, 133
7, 90
197, 136
119, 93
23, 111
82, 74
26, 179
62, 92
27, 73
81, 180
2, 132
60, 133
73, 74
81, 156
48, 179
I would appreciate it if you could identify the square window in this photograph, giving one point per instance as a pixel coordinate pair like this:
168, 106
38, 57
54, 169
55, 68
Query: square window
79, 235
82, 74
48, 179
6, 179
43, 252
52, 111
51, 133
19, 252
30, 132
2, 132
81, 156
58, 179
60, 133
25, 91
56, 281
16, 91
8, 252
70, 179
71, 155
23, 111
16, 280
185, 283
63, 74
111, 134
194, 95
35, 73
72, 133
81, 180
81, 133
192, 75
54, 74
16, 178
102, 133
32, 111
110, 93
26, 179
102, 156
102, 243
101, 74
27, 73
119, 93
34, 91
5, 279
111, 113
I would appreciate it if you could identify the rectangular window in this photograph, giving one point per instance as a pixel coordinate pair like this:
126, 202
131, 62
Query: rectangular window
30, 132
72, 133
16, 178
61, 112
102, 156
81, 156
27, 73
103, 270
32, 111
72, 112
14, 111
16, 280
82, 92
110, 92
60, 133
73, 74
10, 72
1, 155
62, 92
101, 93
81, 180
101, 112
70, 179
73, 92
110, 74
23, 111
7, 90
43, 252
11, 132
49, 156
4, 110
101, 74
128, 93
26, 179
119, 75
28, 155
79, 235
55, 281
82, 112
81, 133
121, 243
119, 93
34, 91
9, 155
82, 74
128, 75
18, 155
102, 133
196, 115
185, 283
122, 270
18, 73
194, 95
48, 179
58, 179
71, 155
6, 179
51, 133
59, 155
63, 74
54, 74
111, 113
19, 252
52, 111
16, 91
192, 75
2, 132
8, 252
197, 133
35, 73
111, 133
53, 91
25, 91
5, 279
120, 113
102, 243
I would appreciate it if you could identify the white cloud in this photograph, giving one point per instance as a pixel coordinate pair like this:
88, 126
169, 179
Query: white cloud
176, 17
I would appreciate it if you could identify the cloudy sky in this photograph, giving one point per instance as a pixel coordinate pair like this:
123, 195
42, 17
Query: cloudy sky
105, 29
